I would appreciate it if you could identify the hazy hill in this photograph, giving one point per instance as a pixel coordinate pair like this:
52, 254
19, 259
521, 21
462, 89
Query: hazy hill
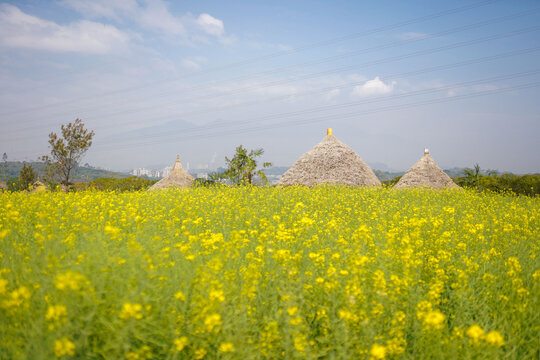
82, 174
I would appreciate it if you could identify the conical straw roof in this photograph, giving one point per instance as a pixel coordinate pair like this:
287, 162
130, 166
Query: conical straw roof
332, 162
426, 173
177, 178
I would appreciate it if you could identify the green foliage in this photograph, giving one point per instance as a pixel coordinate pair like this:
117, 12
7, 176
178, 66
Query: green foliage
27, 176
391, 182
243, 166
4, 166
13, 184
211, 181
67, 150
131, 183
517, 184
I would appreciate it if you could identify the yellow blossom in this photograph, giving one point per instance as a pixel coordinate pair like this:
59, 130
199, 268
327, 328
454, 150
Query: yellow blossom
63, 346
377, 351
179, 295
494, 338
434, 320
226, 347
55, 312
212, 322
181, 343
476, 333
130, 310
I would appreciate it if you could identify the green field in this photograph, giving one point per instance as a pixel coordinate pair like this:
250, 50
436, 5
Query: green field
269, 273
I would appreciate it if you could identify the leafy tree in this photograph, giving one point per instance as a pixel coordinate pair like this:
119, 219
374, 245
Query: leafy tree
27, 176
472, 177
243, 166
67, 150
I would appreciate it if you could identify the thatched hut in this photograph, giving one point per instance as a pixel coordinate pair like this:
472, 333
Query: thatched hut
37, 187
426, 173
330, 162
177, 178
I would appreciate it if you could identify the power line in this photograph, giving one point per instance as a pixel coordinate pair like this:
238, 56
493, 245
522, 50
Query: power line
347, 85
276, 54
324, 118
349, 67
396, 75
339, 116
312, 62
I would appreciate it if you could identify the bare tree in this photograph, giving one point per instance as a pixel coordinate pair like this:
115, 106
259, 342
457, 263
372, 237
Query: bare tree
67, 150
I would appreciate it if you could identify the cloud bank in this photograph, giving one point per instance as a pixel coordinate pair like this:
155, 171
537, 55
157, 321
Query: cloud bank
20, 30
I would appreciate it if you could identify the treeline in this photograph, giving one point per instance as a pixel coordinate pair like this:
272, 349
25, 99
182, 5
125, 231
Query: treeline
509, 183
132, 183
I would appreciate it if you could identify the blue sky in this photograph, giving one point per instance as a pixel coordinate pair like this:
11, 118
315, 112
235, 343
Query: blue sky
154, 78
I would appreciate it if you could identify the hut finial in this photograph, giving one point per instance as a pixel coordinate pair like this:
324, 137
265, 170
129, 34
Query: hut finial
329, 131
426, 151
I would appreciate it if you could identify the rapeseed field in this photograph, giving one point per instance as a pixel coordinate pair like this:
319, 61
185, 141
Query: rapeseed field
269, 273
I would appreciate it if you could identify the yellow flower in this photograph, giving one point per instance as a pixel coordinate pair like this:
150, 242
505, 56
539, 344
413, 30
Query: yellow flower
70, 280
292, 310
300, 343
494, 338
180, 296
63, 347
377, 351
217, 295
226, 347
475, 332
17, 297
212, 322
3, 285
434, 320
130, 310
55, 312
200, 353
181, 343
295, 320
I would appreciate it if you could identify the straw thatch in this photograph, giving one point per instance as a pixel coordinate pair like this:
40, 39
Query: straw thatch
426, 173
332, 162
177, 178
37, 187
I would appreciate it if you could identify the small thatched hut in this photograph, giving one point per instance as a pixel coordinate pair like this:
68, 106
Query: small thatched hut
426, 173
177, 178
332, 162
37, 187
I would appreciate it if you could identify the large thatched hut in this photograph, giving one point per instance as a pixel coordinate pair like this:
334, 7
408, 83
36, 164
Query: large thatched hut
177, 178
330, 162
426, 173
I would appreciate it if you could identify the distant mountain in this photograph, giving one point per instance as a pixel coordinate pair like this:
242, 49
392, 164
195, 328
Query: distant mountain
82, 174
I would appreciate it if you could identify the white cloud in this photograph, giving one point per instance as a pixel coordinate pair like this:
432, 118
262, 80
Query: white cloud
156, 16
153, 15
331, 94
373, 87
211, 25
21, 30
193, 63
110, 9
